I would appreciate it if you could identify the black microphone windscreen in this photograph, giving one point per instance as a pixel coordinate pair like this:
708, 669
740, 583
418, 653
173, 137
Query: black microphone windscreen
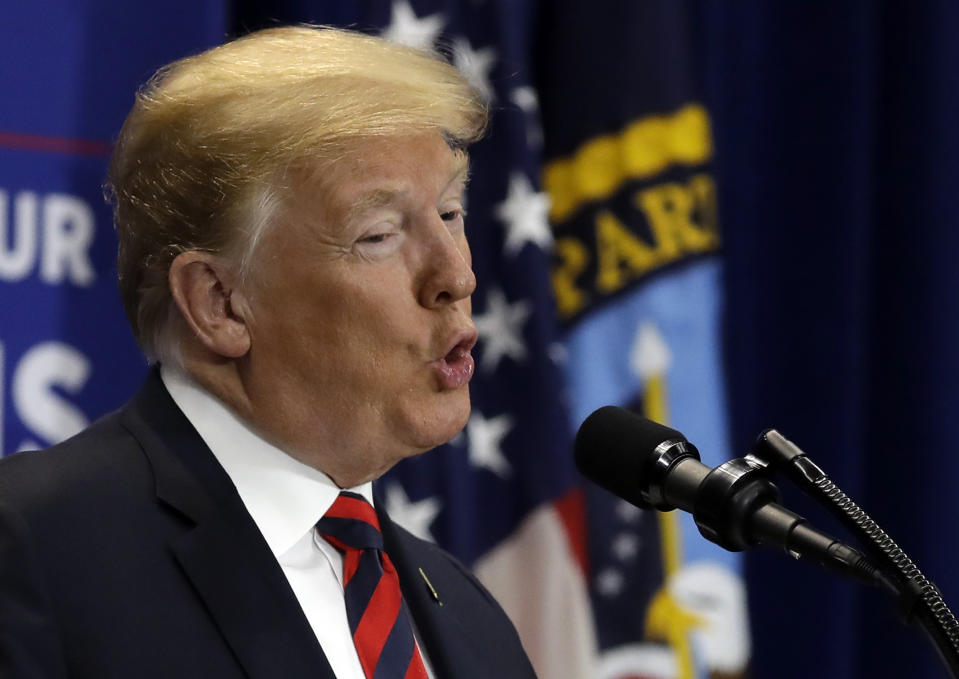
613, 446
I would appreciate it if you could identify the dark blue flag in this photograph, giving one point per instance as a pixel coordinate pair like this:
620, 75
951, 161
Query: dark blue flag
638, 286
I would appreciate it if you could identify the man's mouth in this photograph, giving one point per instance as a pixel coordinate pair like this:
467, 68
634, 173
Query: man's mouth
456, 368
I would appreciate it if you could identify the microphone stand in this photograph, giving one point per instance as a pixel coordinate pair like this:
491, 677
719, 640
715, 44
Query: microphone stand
919, 599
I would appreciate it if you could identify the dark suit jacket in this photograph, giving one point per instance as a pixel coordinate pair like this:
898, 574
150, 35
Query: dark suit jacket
126, 552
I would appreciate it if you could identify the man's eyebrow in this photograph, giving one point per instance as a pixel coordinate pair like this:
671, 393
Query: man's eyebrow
371, 201
383, 197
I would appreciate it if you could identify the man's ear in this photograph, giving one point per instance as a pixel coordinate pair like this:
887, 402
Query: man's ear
202, 287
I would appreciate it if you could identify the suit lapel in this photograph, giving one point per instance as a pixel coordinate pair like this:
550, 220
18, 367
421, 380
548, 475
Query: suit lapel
248, 596
449, 646
221, 551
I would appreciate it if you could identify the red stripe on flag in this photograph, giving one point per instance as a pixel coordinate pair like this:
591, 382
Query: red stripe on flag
571, 509
35, 142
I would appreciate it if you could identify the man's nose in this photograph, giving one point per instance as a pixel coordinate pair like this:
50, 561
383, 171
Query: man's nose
448, 272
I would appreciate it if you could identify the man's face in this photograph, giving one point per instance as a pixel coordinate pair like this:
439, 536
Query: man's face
360, 300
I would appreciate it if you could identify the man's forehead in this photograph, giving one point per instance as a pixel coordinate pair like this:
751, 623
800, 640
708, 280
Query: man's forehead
377, 173
373, 192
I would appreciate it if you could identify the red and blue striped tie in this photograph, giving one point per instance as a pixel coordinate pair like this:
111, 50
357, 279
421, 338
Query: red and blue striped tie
378, 619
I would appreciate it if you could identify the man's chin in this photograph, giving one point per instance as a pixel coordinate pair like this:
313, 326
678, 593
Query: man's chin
444, 427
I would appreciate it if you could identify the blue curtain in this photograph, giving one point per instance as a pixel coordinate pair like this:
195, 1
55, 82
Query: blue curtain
837, 162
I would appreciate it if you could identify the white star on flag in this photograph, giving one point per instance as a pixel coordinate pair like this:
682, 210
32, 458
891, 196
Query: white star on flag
609, 582
500, 329
627, 512
475, 65
625, 546
415, 517
406, 29
525, 98
485, 442
558, 353
525, 213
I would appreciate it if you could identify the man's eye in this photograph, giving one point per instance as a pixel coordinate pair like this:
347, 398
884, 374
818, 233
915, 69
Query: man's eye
376, 238
452, 214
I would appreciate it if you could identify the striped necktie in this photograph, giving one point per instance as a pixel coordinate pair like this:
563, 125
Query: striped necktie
378, 619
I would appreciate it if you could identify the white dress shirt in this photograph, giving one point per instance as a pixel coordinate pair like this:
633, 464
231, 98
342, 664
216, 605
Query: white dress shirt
285, 498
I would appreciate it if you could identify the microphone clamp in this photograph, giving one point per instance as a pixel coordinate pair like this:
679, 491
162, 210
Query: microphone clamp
728, 500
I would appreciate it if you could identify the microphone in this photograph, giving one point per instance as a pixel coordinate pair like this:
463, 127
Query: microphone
735, 505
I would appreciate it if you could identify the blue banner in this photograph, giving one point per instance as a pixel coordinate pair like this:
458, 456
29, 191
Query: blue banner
68, 74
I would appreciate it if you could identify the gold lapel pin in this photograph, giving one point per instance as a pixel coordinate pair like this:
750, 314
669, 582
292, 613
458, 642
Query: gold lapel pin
429, 585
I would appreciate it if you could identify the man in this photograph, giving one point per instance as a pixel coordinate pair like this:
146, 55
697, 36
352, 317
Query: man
293, 257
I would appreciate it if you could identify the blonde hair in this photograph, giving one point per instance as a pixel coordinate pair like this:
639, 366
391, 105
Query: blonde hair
201, 159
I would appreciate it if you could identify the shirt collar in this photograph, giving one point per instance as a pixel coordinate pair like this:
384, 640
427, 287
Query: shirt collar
284, 497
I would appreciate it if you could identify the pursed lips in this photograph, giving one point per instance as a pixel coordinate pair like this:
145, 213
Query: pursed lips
461, 342
455, 367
